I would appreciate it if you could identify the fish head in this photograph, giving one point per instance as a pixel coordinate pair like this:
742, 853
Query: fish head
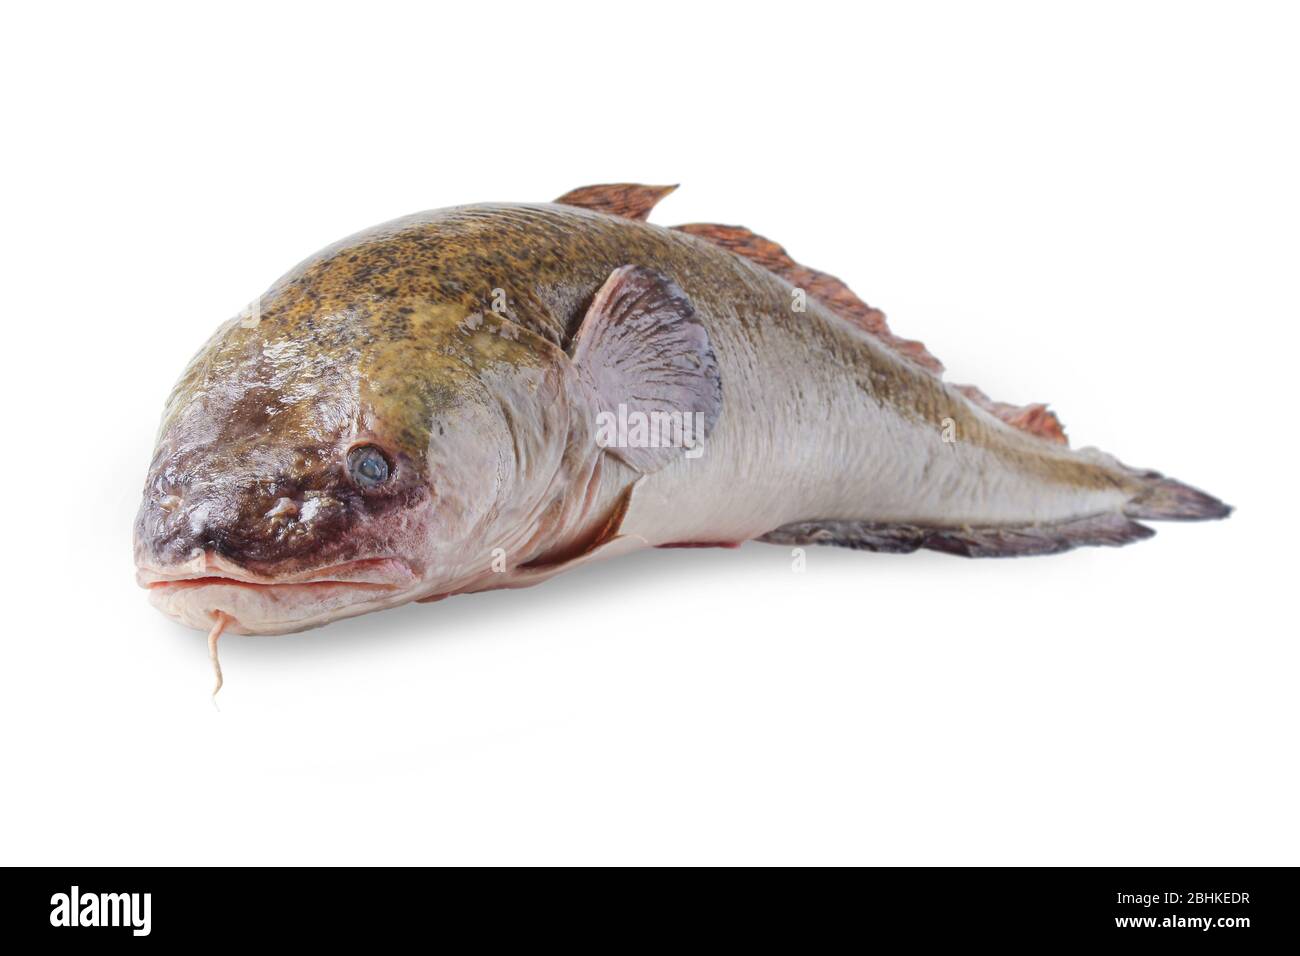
319, 463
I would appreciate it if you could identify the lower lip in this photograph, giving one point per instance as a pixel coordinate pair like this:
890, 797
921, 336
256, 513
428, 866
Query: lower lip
254, 586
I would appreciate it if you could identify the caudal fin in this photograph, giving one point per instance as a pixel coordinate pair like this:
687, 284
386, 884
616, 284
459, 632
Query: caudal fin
1163, 499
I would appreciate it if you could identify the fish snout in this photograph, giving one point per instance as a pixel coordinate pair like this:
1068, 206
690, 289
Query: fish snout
242, 522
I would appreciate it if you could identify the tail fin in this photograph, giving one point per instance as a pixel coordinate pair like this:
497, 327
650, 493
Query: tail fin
1163, 499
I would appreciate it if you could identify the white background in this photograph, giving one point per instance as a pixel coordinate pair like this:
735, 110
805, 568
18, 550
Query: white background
1091, 204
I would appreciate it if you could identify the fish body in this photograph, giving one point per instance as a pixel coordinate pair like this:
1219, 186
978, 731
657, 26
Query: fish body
485, 396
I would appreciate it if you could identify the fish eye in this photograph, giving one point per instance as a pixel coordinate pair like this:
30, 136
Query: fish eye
368, 466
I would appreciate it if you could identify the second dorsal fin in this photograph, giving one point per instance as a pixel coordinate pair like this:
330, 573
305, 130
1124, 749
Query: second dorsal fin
1036, 419
825, 288
839, 298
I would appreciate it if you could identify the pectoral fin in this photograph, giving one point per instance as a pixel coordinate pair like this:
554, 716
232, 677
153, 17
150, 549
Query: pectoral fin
649, 361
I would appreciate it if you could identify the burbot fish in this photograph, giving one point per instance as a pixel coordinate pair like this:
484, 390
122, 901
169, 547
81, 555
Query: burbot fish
484, 396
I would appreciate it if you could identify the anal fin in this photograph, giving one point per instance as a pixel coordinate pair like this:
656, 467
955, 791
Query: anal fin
994, 541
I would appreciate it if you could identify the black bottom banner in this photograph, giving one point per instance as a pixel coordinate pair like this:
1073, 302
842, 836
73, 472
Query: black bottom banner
1223, 908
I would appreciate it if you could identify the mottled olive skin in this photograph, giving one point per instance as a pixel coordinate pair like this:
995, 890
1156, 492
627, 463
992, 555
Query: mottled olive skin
420, 333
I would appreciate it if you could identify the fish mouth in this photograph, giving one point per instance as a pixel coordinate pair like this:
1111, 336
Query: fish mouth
218, 580
193, 593
208, 568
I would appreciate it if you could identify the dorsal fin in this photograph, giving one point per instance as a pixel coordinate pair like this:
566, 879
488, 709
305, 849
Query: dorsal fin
839, 298
629, 200
1036, 419
826, 289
